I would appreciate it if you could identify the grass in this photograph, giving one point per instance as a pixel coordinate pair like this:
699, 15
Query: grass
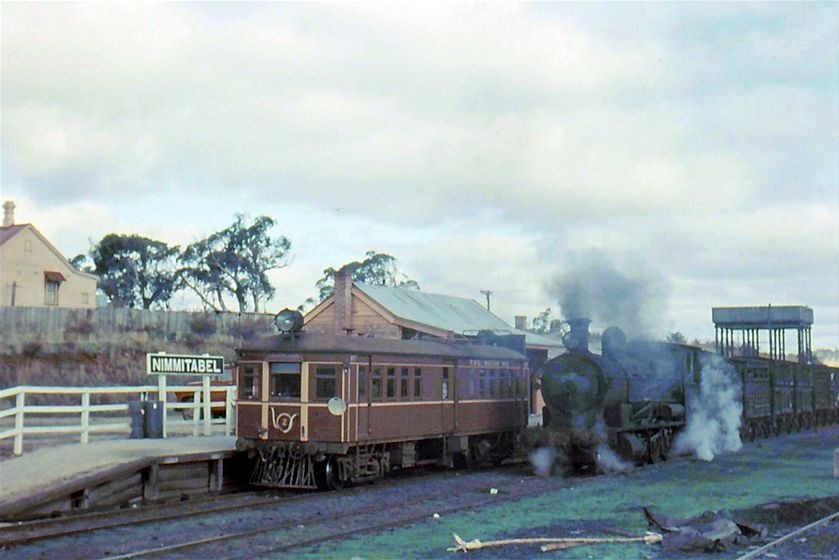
789, 468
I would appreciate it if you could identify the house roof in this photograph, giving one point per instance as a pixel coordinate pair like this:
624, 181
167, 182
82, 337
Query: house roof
8, 232
447, 313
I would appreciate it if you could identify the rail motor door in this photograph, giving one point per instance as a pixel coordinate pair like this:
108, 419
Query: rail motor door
448, 397
284, 412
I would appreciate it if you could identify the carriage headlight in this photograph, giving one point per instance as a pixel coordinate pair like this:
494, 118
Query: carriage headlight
336, 406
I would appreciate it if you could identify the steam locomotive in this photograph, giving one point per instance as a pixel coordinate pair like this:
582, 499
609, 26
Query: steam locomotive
635, 397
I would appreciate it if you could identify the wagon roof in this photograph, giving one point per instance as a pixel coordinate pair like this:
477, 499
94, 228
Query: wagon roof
313, 342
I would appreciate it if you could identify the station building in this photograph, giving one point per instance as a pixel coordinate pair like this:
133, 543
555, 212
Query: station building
390, 312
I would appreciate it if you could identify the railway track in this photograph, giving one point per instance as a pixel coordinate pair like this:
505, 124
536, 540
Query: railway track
259, 526
24, 532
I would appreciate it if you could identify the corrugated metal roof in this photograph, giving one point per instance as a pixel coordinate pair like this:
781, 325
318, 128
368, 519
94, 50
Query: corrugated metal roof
459, 315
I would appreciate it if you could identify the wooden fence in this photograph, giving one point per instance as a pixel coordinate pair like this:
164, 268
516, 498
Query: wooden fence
45, 325
13, 404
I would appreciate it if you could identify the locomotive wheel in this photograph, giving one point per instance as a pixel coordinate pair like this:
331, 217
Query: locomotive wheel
326, 475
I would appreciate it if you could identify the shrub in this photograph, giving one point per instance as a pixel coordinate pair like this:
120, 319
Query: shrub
248, 328
83, 327
32, 349
202, 324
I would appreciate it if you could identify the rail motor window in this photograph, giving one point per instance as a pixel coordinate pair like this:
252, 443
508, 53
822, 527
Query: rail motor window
285, 380
444, 389
362, 383
418, 383
325, 382
249, 381
404, 381
391, 382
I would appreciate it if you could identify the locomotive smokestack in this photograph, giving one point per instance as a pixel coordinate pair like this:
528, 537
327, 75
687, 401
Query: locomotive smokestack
577, 338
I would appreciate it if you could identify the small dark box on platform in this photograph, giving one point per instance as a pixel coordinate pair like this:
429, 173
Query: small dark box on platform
154, 419
138, 419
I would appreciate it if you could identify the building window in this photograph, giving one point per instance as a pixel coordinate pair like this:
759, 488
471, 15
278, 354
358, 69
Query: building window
325, 382
27, 246
85, 298
284, 381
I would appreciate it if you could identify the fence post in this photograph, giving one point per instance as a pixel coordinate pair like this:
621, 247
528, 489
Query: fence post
161, 395
196, 411
20, 402
228, 411
207, 399
85, 417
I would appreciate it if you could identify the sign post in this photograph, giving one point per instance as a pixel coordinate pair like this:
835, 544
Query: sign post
163, 364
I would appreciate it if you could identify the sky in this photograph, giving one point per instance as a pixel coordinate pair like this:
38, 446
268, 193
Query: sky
693, 147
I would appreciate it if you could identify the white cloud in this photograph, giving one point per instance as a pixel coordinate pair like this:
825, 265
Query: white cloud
477, 143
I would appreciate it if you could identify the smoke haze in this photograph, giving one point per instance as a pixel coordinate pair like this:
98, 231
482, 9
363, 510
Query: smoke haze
591, 286
713, 414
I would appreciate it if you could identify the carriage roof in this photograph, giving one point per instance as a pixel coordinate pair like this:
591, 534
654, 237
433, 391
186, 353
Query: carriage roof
325, 343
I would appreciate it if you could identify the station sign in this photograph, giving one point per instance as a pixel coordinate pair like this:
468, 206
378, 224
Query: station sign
182, 364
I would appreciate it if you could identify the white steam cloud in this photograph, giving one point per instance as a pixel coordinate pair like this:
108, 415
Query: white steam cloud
608, 460
591, 286
542, 460
713, 414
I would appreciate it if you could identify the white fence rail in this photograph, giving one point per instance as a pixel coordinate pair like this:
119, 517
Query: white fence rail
105, 418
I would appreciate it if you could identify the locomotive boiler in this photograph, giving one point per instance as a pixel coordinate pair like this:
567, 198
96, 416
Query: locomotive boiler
630, 398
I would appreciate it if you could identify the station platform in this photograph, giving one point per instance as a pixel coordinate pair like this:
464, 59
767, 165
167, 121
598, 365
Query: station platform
112, 472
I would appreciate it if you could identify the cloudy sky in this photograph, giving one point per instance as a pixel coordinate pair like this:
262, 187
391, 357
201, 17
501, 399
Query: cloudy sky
486, 146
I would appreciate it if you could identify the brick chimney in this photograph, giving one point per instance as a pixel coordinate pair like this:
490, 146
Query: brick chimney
521, 322
343, 301
8, 213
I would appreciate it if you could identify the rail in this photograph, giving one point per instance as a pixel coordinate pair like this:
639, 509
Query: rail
96, 418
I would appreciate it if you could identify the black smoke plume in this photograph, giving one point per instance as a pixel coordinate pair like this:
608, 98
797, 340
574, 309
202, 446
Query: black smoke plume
590, 285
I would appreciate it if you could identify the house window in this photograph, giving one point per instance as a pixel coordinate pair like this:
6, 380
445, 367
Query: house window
285, 380
52, 281
85, 298
27, 246
51, 293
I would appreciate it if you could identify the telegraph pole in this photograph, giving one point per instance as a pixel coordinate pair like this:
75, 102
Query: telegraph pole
487, 293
